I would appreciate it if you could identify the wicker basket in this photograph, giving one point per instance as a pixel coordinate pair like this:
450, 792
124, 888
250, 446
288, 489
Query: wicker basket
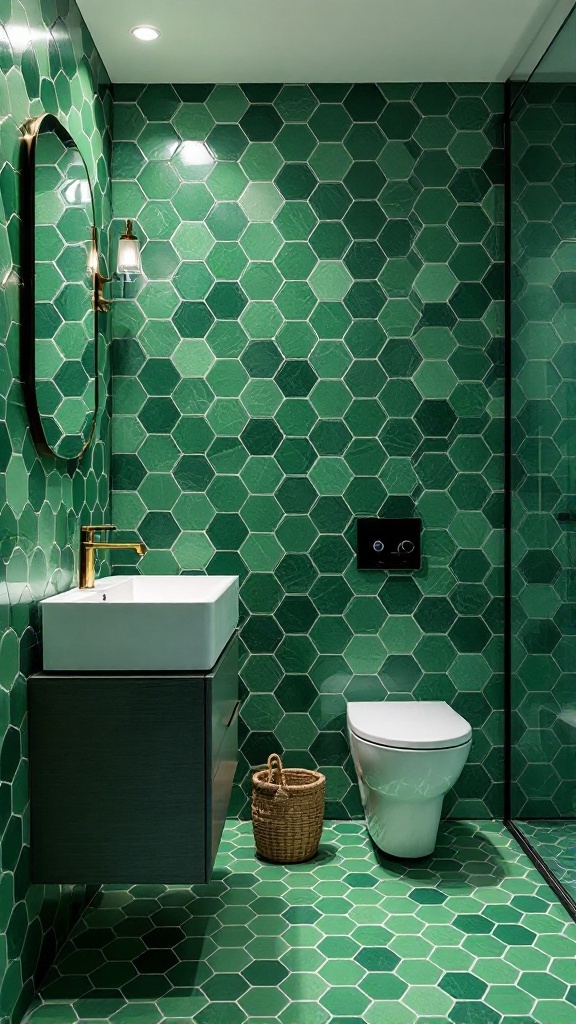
287, 812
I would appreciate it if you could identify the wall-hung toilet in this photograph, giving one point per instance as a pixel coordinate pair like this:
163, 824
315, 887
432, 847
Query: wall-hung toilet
407, 755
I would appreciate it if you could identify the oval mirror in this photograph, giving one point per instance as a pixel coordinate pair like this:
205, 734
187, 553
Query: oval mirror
59, 360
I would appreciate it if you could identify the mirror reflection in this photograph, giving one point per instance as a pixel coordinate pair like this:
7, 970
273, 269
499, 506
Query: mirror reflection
62, 328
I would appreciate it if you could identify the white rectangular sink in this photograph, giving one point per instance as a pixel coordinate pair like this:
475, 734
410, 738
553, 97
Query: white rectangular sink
140, 624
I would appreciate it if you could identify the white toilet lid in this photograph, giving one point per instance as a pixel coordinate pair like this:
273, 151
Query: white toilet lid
412, 725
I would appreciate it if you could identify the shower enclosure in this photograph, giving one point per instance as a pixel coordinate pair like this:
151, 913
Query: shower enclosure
541, 463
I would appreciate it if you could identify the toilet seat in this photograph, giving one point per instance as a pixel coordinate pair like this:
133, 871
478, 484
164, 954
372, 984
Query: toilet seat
408, 725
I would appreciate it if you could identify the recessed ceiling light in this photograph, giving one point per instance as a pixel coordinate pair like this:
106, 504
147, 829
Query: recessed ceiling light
146, 33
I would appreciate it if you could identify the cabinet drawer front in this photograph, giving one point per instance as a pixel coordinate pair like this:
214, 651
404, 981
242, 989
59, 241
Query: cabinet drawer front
131, 774
224, 687
117, 779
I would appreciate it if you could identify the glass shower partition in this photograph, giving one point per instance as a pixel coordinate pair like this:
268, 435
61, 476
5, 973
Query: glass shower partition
542, 461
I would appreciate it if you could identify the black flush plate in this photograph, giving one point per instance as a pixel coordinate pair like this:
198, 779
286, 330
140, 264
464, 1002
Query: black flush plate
389, 543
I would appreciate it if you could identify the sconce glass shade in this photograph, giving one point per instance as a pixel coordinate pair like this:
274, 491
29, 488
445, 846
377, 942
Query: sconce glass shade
93, 262
128, 252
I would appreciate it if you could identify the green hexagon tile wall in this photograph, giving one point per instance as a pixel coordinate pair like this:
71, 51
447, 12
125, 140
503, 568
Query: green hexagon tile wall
316, 336
41, 501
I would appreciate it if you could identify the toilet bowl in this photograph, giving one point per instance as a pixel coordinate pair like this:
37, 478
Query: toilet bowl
407, 755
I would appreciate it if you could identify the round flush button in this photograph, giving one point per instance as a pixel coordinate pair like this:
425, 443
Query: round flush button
378, 546
406, 547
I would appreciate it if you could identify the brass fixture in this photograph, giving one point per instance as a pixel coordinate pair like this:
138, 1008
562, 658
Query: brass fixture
128, 264
99, 302
88, 546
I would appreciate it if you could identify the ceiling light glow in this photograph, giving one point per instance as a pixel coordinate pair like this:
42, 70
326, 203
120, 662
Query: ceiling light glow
145, 33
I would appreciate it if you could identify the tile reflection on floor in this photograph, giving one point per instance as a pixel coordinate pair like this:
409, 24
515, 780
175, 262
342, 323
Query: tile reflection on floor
555, 841
471, 935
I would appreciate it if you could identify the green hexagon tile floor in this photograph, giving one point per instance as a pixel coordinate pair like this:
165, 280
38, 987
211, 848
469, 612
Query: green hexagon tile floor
471, 935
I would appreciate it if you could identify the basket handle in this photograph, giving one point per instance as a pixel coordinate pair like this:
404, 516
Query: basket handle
275, 766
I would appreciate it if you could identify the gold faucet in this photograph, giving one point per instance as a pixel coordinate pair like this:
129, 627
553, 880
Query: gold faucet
89, 546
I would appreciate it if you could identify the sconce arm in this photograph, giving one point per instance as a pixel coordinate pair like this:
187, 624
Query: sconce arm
101, 304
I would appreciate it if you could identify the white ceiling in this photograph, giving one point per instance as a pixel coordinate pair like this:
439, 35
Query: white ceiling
316, 40
559, 61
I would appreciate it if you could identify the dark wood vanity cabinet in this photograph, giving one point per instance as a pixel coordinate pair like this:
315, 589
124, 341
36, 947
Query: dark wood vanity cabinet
131, 774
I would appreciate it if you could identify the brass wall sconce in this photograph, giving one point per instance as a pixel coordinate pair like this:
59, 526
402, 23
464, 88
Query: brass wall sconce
127, 265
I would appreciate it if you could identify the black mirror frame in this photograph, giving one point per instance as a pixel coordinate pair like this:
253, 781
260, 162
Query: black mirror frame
31, 130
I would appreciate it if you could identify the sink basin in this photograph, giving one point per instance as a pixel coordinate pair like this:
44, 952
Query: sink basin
140, 624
